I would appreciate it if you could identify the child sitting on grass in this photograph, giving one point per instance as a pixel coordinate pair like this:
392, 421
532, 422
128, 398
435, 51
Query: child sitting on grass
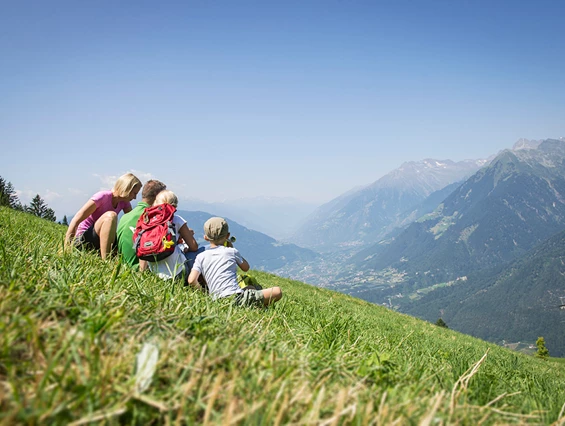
218, 264
175, 265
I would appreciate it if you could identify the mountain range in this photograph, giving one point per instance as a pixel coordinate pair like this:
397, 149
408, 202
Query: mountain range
488, 259
478, 244
495, 216
366, 215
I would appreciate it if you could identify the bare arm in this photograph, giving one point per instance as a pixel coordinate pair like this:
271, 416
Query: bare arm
244, 266
193, 279
143, 265
82, 214
187, 235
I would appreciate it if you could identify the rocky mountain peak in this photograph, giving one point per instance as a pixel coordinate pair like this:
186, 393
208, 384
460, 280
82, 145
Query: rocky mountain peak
523, 143
428, 174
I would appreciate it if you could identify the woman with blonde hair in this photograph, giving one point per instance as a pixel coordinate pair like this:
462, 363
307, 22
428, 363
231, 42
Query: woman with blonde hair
94, 225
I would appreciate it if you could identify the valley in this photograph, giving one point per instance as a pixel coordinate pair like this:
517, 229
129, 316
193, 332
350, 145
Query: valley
454, 257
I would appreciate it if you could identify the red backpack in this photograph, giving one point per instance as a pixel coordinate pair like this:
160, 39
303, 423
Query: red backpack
154, 237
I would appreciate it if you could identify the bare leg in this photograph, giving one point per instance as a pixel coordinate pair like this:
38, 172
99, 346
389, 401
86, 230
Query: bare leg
271, 295
106, 227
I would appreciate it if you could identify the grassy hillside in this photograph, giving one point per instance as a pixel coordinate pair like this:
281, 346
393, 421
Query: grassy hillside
72, 325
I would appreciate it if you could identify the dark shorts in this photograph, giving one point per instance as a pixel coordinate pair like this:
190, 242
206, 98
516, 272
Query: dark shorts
89, 239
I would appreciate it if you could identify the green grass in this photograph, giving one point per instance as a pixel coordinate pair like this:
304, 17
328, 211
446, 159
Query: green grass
71, 326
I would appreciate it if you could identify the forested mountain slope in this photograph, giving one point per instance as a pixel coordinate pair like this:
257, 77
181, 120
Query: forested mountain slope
521, 302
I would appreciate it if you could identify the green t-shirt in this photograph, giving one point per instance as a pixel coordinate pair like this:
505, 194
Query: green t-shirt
126, 226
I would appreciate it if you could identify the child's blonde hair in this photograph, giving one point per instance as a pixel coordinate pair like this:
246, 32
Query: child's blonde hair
168, 197
125, 184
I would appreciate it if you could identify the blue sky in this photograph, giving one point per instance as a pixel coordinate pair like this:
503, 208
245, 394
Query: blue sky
231, 99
